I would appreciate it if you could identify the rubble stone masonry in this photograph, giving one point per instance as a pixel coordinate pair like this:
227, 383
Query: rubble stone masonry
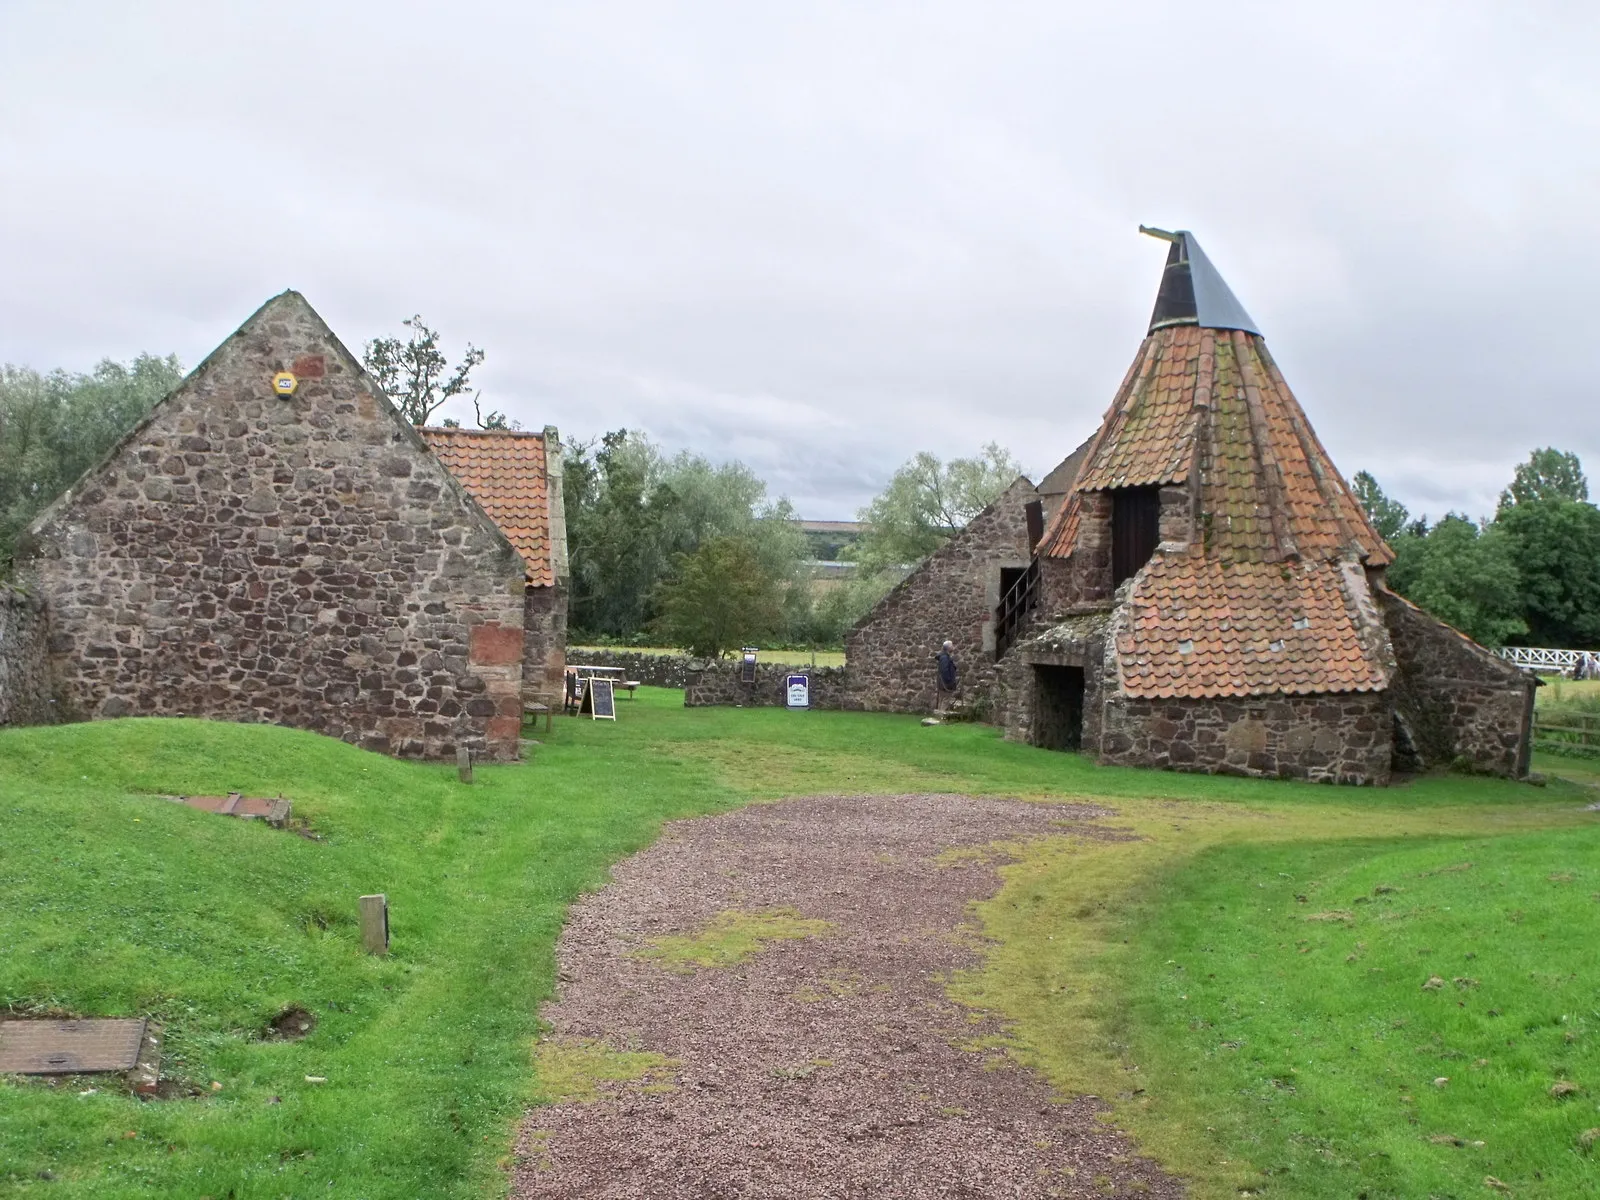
299, 560
27, 696
1342, 737
953, 594
1460, 705
720, 683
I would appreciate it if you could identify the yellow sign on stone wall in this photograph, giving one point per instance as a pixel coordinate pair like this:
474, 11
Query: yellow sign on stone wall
284, 383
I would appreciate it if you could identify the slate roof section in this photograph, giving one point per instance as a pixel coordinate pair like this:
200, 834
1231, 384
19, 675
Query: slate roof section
1193, 291
1199, 627
505, 471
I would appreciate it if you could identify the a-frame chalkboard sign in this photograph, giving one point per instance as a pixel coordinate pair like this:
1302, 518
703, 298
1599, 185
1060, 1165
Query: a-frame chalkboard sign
602, 700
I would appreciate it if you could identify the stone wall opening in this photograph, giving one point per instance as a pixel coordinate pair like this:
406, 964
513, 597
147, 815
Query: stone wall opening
1135, 530
1058, 720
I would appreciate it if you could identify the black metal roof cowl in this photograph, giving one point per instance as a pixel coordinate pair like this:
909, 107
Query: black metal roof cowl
1192, 292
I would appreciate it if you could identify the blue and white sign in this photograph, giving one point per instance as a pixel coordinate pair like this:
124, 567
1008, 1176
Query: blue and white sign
799, 691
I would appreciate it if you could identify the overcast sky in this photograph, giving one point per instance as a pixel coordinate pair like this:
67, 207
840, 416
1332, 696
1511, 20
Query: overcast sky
821, 237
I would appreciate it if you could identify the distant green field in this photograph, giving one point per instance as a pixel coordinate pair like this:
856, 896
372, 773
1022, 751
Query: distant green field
1583, 693
791, 658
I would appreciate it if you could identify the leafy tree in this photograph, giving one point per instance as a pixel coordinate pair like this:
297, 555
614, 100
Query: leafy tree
55, 427
416, 375
1549, 474
928, 501
1464, 576
1555, 545
821, 615
632, 513
1388, 517
721, 596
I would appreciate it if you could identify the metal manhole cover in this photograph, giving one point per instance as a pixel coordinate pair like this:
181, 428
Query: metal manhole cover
69, 1047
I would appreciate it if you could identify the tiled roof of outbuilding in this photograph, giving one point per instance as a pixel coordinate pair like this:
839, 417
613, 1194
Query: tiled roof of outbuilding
505, 472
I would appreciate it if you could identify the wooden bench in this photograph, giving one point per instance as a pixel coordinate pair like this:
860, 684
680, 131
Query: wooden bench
535, 708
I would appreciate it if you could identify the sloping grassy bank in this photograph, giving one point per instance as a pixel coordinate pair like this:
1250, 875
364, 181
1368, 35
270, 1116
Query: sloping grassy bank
116, 902
1266, 1003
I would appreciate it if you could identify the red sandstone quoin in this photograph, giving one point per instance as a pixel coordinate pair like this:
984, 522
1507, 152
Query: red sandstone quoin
302, 559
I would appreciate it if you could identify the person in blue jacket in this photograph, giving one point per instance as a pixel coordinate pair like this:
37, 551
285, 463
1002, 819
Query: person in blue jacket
946, 660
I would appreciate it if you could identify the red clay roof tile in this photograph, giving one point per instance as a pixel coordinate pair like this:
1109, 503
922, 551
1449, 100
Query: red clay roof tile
1267, 488
1198, 626
504, 471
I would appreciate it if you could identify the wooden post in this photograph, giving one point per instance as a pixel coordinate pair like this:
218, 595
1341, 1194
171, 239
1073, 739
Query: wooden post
375, 923
464, 764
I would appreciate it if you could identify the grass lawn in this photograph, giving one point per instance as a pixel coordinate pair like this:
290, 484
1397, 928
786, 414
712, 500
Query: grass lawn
1379, 1018
113, 901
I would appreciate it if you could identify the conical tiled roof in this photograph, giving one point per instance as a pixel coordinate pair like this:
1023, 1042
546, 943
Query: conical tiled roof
1213, 401
1269, 595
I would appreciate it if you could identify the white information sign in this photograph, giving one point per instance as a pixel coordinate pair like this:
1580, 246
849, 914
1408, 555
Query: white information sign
799, 691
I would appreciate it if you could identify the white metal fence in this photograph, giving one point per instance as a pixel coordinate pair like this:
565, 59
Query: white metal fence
1553, 662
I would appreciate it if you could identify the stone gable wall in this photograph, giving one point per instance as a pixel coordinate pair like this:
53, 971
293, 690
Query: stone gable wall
720, 684
27, 693
301, 561
952, 595
1457, 700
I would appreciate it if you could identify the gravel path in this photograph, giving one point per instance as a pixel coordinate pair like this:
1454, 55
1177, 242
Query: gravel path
826, 1066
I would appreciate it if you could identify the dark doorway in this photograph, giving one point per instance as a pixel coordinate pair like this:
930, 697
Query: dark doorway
1008, 579
1058, 714
1135, 530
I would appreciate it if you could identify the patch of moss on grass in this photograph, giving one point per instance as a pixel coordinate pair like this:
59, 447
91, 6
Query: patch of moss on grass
731, 937
991, 852
575, 1069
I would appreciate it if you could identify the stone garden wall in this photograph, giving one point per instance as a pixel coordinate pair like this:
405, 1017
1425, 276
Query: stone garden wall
299, 560
652, 670
1460, 704
720, 684
27, 696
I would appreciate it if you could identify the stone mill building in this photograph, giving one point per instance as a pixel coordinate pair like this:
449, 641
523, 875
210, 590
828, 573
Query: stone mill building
275, 543
1210, 596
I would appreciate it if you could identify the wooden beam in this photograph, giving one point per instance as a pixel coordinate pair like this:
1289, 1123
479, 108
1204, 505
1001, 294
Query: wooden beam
375, 923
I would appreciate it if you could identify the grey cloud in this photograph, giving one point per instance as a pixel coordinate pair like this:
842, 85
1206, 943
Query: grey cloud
820, 238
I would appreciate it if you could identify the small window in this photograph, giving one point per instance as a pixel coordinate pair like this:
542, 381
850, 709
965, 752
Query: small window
1135, 530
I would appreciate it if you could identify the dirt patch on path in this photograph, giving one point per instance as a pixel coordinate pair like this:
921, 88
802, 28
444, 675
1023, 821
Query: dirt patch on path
817, 1060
